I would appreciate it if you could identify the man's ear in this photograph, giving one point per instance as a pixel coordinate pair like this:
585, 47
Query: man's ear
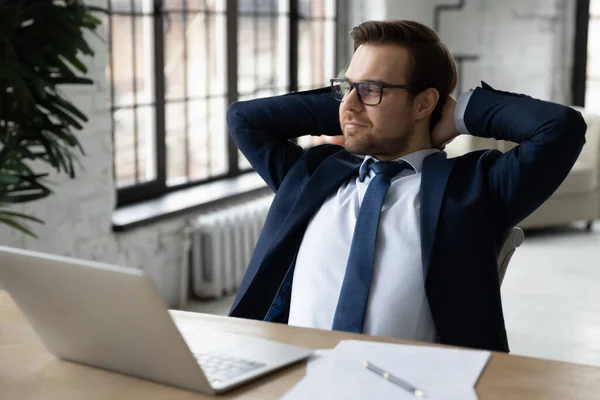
425, 103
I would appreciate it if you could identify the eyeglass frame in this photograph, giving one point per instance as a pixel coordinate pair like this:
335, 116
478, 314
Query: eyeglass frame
354, 85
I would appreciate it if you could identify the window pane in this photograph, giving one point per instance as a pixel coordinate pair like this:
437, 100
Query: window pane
199, 58
175, 57
330, 9
593, 63
317, 8
316, 54
134, 155
172, 4
261, 6
143, 6
594, 8
146, 125
196, 5
217, 137
122, 61
263, 50
217, 44
247, 65
120, 5
124, 147
268, 39
126, 50
315, 68
305, 8
329, 50
139, 6
206, 55
199, 139
592, 95
283, 51
144, 60
304, 58
219, 6
176, 143
208, 139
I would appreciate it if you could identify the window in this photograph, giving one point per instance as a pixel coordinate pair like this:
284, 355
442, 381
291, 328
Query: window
175, 66
592, 84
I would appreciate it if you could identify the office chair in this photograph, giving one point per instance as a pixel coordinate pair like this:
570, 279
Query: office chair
513, 240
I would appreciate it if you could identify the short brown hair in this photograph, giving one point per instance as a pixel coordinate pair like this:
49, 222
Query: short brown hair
432, 64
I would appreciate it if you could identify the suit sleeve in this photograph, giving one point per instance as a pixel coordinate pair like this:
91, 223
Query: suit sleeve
263, 129
549, 136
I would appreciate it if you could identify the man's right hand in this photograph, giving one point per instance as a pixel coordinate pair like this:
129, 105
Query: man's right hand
445, 130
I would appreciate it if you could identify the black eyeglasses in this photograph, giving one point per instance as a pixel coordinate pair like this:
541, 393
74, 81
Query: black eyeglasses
369, 93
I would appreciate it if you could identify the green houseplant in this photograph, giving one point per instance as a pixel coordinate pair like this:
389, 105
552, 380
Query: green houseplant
41, 44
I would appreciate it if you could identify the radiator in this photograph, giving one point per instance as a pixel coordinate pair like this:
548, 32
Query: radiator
219, 245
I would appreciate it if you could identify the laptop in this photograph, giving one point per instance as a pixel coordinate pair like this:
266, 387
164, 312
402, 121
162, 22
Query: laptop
113, 318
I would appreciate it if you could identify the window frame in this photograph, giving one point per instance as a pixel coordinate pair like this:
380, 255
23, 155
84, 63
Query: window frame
579, 77
140, 192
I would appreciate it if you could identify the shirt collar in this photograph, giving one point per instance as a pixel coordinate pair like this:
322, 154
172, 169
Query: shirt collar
414, 159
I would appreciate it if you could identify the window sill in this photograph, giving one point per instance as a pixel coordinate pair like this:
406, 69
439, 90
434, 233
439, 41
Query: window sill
184, 201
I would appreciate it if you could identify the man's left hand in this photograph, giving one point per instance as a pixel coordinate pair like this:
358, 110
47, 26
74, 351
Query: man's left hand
445, 130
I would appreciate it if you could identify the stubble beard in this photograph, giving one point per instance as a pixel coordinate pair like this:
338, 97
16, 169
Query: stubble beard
368, 144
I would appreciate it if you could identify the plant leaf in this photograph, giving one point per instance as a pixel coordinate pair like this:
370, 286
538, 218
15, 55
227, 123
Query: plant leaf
20, 215
23, 198
16, 225
8, 179
71, 81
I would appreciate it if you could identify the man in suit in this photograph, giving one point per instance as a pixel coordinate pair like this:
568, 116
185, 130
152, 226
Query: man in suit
386, 235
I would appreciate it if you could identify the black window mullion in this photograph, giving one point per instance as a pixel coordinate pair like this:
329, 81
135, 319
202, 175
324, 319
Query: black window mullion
232, 78
111, 63
578, 84
135, 93
293, 48
274, 27
186, 105
311, 49
207, 80
159, 68
339, 8
255, 45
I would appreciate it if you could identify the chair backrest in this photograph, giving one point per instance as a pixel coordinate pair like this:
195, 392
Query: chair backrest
513, 240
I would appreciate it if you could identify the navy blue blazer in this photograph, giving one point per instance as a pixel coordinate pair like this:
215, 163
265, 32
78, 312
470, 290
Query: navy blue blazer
468, 203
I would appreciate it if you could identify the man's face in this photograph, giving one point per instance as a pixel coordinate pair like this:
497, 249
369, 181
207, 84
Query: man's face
384, 130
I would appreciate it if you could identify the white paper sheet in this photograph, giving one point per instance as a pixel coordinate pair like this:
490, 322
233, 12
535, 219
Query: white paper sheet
443, 373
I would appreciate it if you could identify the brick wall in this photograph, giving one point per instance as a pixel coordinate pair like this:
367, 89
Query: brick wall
522, 47
78, 215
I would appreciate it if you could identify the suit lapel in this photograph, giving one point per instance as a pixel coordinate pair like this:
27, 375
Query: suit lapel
327, 178
436, 172
338, 168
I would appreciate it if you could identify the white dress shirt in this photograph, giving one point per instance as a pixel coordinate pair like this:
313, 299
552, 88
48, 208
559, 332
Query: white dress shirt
397, 305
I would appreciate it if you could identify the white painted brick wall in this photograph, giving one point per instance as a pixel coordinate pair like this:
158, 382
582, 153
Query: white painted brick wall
517, 54
523, 45
78, 215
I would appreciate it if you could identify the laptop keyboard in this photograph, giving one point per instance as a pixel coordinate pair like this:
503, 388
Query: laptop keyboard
219, 368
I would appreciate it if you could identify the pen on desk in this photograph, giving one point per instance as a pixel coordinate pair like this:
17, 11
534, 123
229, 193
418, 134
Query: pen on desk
394, 379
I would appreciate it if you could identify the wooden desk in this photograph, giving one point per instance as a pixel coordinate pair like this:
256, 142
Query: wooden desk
28, 371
